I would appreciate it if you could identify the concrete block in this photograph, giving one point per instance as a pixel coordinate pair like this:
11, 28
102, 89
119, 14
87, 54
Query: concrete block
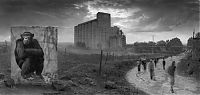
47, 38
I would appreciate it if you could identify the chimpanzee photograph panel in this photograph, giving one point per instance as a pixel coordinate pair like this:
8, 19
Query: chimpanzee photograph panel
29, 56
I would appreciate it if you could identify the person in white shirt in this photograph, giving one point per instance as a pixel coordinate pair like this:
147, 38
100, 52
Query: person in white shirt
151, 70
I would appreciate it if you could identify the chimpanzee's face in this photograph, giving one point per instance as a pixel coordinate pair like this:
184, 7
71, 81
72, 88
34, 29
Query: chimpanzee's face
27, 39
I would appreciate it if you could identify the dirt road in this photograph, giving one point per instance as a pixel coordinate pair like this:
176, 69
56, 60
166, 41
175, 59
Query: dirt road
183, 85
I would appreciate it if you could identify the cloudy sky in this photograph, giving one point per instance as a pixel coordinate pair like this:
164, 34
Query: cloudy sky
139, 19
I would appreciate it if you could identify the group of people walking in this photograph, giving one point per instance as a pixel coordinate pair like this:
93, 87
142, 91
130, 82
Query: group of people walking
143, 63
153, 64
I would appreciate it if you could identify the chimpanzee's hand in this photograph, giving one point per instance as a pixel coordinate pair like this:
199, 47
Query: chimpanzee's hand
30, 50
33, 51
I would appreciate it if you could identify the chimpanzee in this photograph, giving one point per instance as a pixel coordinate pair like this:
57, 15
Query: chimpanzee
29, 55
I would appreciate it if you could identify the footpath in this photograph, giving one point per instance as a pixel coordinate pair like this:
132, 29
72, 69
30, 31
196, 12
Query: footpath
161, 86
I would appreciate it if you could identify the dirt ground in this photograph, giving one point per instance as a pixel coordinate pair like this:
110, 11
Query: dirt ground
183, 85
78, 68
27, 90
189, 67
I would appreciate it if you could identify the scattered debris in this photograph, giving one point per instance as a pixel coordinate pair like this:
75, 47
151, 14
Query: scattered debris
110, 85
66, 77
9, 82
61, 85
88, 81
2, 76
52, 93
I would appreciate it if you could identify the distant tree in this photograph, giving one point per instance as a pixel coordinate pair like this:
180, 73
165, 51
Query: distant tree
175, 45
150, 43
81, 45
152, 47
136, 44
167, 41
144, 47
161, 43
141, 47
197, 35
161, 46
189, 43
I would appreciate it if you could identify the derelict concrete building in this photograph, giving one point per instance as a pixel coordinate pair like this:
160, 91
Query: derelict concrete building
98, 34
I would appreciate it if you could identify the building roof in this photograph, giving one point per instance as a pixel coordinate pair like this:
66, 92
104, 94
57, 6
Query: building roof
102, 13
196, 38
34, 26
88, 21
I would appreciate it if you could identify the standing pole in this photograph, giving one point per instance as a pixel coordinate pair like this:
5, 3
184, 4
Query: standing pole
6, 43
106, 57
152, 45
113, 56
6, 46
193, 33
65, 51
100, 62
153, 37
193, 44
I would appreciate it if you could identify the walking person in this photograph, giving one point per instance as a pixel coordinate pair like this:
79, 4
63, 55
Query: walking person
171, 72
144, 64
155, 62
151, 70
164, 63
138, 64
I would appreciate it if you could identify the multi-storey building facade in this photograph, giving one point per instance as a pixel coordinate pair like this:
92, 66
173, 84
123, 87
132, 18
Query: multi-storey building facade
98, 34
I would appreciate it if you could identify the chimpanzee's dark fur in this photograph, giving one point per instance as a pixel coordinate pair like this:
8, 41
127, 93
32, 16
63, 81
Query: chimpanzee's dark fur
29, 57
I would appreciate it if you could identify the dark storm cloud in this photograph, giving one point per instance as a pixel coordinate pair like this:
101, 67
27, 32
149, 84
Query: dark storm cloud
169, 13
165, 15
172, 12
60, 13
155, 9
52, 6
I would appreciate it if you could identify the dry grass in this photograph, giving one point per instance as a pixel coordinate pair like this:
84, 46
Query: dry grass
5, 63
188, 67
77, 67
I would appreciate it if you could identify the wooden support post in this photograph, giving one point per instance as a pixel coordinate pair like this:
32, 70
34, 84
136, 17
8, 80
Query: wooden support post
65, 51
106, 58
6, 43
6, 47
113, 56
100, 62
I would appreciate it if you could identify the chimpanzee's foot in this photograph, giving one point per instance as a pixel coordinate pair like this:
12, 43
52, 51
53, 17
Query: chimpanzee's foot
39, 76
28, 76
25, 76
32, 74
